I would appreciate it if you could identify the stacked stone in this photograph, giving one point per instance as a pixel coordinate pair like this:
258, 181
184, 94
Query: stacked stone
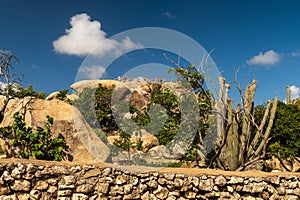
88, 182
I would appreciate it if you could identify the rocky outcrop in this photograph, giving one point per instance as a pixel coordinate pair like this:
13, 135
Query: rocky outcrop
50, 181
67, 121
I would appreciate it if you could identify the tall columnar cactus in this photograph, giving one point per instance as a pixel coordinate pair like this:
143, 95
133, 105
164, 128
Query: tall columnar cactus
288, 95
240, 145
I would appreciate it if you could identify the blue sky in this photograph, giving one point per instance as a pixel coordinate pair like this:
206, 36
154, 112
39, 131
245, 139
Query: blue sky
262, 38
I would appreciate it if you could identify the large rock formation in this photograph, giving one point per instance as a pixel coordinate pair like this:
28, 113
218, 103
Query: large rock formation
67, 121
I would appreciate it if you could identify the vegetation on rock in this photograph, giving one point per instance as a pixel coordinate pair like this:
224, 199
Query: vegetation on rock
22, 141
244, 135
62, 95
239, 128
26, 142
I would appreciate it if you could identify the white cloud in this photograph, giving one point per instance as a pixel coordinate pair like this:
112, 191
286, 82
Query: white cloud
91, 72
85, 37
295, 92
295, 53
268, 58
169, 15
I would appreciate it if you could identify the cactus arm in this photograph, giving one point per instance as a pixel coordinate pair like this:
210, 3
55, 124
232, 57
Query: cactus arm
258, 133
268, 130
232, 149
250, 112
288, 95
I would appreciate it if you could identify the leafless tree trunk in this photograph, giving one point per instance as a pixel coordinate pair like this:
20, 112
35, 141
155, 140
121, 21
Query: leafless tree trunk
7, 61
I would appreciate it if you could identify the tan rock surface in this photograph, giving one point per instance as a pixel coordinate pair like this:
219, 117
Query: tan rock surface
67, 121
72, 97
148, 139
53, 95
80, 85
283, 165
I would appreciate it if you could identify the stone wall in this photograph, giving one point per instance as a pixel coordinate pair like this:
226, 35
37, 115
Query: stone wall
24, 180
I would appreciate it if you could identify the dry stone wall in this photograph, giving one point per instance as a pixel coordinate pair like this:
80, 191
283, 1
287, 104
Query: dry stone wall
89, 182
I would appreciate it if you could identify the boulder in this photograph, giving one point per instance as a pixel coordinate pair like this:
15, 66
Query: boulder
52, 96
257, 165
296, 165
161, 151
80, 85
72, 97
112, 139
138, 101
158, 151
146, 88
148, 139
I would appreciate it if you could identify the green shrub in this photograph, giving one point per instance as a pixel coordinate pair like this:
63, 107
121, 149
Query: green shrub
169, 101
86, 105
38, 144
103, 109
19, 92
95, 106
285, 134
62, 95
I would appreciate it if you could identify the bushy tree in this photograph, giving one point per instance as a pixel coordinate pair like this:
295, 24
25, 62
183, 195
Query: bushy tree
86, 105
235, 148
94, 104
124, 143
169, 101
17, 91
203, 96
103, 108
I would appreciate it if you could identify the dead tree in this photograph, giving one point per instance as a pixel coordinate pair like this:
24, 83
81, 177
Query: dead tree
7, 62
